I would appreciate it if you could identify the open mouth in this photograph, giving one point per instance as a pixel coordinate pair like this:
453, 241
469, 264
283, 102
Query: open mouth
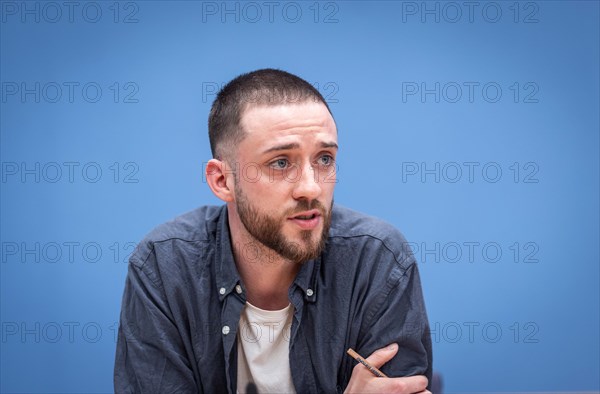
306, 217
307, 220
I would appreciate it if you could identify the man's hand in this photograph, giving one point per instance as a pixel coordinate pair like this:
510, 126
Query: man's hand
363, 381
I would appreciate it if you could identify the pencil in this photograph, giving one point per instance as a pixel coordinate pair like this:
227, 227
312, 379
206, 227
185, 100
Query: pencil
364, 362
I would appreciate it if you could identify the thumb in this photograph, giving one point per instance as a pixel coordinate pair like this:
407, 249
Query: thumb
383, 355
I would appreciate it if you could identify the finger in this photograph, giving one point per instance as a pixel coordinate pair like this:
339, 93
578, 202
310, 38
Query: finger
383, 355
410, 384
414, 384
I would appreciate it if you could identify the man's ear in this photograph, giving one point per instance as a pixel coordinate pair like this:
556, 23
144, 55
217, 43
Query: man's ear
220, 179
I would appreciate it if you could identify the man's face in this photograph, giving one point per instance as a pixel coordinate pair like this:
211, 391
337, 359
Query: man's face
285, 176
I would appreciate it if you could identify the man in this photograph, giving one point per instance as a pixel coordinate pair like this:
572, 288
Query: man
266, 293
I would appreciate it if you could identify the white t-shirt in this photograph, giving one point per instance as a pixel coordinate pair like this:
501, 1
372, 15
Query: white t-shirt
263, 350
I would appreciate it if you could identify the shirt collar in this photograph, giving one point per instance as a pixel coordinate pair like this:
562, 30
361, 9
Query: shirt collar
306, 279
227, 275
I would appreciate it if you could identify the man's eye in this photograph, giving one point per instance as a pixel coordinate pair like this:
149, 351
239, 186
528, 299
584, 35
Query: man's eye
325, 160
279, 164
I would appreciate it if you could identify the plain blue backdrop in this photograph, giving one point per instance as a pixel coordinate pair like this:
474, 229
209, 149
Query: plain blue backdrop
472, 127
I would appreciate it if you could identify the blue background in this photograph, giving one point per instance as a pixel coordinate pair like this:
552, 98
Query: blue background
509, 261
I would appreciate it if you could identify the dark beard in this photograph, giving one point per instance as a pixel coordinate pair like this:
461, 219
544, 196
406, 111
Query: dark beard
268, 230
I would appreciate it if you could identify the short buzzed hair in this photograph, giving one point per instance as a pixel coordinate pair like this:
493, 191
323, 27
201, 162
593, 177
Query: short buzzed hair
261, 87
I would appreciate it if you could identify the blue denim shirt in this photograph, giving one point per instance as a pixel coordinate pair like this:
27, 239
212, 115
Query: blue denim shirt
183, 298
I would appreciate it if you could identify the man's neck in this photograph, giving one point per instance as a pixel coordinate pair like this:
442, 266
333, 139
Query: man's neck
266, 275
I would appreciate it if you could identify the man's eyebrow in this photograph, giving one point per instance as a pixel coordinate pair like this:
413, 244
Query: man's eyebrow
295, 145
329, 145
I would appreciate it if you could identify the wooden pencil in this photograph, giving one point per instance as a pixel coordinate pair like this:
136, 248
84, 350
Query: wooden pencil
364, 362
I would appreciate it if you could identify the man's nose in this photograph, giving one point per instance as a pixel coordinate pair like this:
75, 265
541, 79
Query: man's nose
306, 184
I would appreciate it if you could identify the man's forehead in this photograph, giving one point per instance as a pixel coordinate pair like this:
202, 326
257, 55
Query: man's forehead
305, 114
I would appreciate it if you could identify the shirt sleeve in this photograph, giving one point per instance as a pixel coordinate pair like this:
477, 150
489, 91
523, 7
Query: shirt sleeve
397, 315
150, 355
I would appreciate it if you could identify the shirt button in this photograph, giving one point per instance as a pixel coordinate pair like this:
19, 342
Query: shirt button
225, 330
238, 288
309, 292
222, 290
